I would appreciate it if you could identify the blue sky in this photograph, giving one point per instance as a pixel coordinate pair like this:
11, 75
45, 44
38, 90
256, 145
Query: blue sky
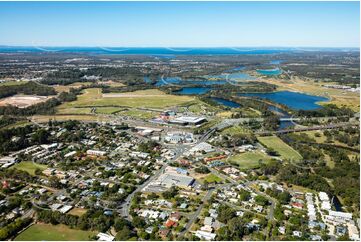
180, 24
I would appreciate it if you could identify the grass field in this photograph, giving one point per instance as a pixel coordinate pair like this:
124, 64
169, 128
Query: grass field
249, 160
312, 134
286, 151
152, 98
29, 167
48, 232
108, 110
139, 114
211, 178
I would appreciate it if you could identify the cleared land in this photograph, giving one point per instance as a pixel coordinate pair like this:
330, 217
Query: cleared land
152, 98
23, 101
249, 160
286, 151
48, 232
77, 211
29, 167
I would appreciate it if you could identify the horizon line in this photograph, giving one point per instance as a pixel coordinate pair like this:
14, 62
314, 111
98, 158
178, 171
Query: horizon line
245, 46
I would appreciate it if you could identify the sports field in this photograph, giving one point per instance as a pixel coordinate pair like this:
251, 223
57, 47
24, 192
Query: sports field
48, 232
249, 160
285, 151
152, 98
29, 167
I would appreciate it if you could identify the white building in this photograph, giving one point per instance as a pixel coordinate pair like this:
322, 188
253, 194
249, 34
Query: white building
105, 237
96, 152
203, 235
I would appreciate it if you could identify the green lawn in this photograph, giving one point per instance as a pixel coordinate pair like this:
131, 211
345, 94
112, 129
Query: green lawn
75, 111
249, 160
211, 178
48, 232
29, 167
286, 151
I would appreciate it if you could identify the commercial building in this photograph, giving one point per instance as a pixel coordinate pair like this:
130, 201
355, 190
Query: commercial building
188, 120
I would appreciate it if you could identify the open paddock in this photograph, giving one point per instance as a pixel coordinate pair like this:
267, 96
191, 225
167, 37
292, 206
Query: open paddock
48, 232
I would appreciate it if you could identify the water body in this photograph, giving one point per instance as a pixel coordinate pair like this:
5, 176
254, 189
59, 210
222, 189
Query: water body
293, 100
193, 90
282, 114
225, 102
270, 72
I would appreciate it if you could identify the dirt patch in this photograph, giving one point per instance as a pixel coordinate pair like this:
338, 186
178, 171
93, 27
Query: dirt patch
23, 101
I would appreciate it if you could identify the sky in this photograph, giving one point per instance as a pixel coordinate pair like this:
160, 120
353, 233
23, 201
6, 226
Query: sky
180, 24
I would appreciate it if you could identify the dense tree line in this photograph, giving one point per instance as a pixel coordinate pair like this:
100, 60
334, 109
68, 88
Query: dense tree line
328, 110
7, 144
6, 120
14, 227
92, 220
302, 177
28, 88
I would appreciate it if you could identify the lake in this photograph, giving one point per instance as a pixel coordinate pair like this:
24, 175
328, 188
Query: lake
293, 100
225, 102
270, 72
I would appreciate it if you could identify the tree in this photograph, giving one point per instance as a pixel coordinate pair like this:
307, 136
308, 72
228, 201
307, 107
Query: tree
41, 136
124, 234
138, 222
225, 213
261, 200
